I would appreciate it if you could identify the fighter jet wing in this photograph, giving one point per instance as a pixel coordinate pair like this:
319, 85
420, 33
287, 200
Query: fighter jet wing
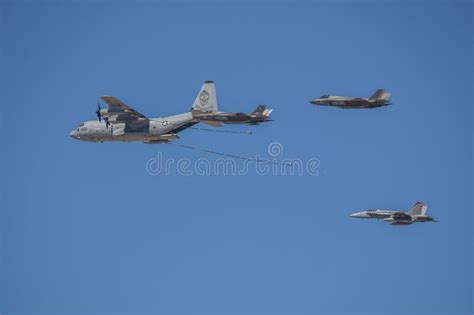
401, 216
358, 100
212, 123
119, 112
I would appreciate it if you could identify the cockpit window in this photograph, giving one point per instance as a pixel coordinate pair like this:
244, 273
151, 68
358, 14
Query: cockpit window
325, 96
82, 124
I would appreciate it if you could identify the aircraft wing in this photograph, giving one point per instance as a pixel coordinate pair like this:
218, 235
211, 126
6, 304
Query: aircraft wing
358, 100
183, 127
212, 123
401, 216
119, 112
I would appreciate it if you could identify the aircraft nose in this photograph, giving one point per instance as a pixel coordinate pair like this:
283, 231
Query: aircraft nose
354, 215
73, 134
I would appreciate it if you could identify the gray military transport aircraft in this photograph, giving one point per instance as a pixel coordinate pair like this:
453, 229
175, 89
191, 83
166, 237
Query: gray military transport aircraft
120, 122
416, 214
379, 99
212, 116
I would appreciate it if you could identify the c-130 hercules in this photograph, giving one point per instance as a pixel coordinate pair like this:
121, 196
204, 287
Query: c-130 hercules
120, 122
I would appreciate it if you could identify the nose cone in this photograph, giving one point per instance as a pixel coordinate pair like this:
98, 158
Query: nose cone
73, 134
359, 215
317, 101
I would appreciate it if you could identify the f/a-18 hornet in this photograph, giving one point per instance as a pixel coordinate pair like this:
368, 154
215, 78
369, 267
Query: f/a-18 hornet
120, 122
379, 99
416, 214
206, 111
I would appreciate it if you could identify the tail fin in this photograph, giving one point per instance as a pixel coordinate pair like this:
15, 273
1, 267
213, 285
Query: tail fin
418, 209
381, 95
206, 100
262, 110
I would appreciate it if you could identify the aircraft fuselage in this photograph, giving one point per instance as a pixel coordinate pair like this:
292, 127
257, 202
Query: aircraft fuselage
156, 130
392, 217
373, 214
232, 118
350, 103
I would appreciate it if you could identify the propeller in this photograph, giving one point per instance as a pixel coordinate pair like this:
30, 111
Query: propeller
97, 112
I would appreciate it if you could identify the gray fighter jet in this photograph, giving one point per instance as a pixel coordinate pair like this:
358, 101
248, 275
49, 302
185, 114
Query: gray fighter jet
379, 99
120, 122
212, 116
416, 214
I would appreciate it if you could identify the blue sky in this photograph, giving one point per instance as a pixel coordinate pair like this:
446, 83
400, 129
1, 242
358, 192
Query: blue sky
86, 230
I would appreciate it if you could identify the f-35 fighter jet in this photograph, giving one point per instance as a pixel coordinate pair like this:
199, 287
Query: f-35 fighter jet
416, 214
206, 111
379, 99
